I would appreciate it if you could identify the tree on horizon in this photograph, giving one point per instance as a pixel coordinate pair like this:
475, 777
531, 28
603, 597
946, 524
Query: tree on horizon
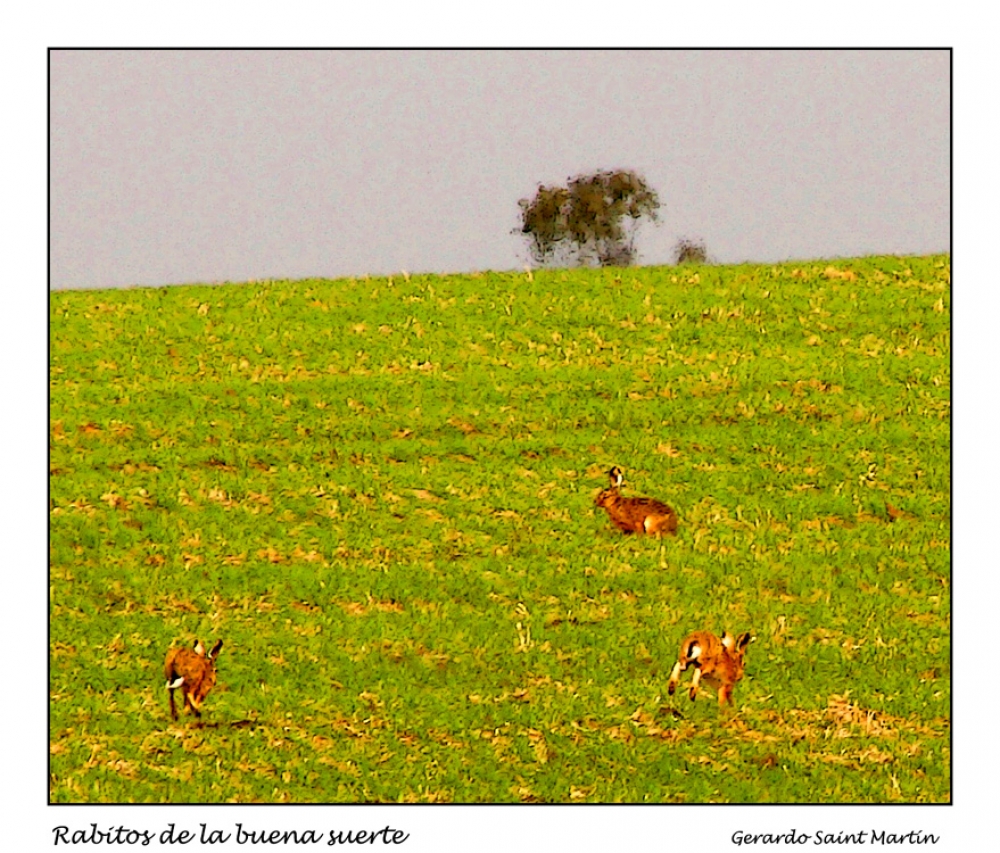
593, 219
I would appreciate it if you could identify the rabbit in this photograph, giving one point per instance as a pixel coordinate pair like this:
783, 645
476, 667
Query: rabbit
718, 661
635, 515
193, 672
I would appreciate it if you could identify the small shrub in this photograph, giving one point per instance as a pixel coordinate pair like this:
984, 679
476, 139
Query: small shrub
690, 252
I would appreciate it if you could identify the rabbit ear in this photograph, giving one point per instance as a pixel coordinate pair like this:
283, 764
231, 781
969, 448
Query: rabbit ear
215, 650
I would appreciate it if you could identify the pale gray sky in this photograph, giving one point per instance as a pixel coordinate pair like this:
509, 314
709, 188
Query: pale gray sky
185, 166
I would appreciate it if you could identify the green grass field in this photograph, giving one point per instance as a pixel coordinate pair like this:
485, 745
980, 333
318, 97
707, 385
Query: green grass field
379, 494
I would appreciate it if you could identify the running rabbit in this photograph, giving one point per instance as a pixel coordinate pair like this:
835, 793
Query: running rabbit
719, 662
193, 672
635, 515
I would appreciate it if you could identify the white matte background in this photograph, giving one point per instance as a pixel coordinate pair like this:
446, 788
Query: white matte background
968, 825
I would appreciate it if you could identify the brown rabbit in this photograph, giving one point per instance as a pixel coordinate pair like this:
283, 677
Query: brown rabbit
719, 662
193, 672
635, 515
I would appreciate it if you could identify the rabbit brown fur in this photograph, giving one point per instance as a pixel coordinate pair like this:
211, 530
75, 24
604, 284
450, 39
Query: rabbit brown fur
193, 672
635, 515
718, 661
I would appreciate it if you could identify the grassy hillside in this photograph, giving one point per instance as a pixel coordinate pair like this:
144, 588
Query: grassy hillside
379, 493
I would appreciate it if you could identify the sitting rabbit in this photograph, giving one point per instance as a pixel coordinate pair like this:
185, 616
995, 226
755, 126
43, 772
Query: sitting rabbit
635, 515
